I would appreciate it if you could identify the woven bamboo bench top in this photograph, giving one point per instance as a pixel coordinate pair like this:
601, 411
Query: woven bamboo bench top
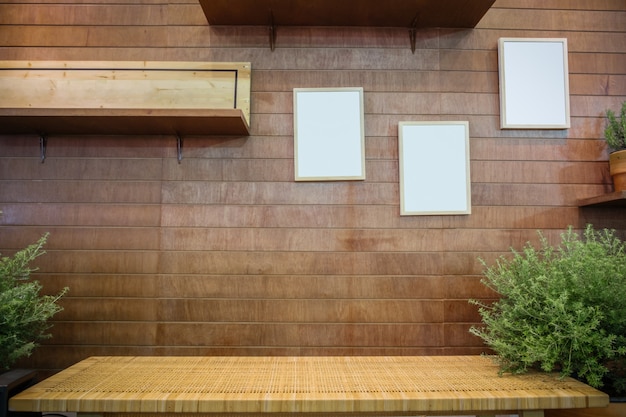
334, 385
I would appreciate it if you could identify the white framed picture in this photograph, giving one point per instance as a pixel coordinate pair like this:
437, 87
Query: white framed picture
534, 83
434, 168
329, 138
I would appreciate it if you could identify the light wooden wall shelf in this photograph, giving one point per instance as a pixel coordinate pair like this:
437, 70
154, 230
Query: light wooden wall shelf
125, 98
410, 14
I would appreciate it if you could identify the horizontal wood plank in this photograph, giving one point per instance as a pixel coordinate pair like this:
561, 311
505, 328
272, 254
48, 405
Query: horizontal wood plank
266, 287
248, 334
280, 263
251, 310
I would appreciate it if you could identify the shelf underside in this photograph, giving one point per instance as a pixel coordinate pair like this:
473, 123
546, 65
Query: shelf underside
616, 199
182, 122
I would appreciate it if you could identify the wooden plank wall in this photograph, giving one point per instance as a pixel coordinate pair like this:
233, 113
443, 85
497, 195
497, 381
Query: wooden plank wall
224, 254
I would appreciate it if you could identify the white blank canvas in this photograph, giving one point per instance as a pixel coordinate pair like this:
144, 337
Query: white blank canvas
329, 134
434, 168
534, 86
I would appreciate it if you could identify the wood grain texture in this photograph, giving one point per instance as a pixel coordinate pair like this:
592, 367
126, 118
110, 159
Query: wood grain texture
223, 254
124, 97
319, 385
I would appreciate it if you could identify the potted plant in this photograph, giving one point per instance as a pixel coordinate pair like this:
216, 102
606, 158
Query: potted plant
615, 135
24, 313
561, 308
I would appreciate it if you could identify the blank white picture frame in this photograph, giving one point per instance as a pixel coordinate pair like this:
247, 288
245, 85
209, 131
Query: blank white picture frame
534, 83
434, 168
329, 138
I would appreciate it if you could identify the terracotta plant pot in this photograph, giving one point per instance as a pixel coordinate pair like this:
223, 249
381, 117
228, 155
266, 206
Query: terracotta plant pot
617, 167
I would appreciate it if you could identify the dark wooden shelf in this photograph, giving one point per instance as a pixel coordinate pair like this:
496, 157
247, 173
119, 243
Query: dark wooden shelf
616, 199
378, 13
182, 122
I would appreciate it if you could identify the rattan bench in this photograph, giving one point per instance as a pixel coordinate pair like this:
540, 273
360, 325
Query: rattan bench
347, 385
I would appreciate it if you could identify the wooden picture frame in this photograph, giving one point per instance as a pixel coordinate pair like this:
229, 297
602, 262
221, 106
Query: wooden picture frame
534, 83
329, 138
434, 168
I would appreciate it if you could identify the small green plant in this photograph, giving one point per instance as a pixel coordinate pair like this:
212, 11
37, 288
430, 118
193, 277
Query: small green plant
615, 131
561, 308
24, 313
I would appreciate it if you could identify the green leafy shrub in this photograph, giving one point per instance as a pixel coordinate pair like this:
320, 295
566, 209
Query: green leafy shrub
24, 313
561, 308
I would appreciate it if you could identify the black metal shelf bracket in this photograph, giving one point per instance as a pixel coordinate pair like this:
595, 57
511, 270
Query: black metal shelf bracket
43, 147
413, 32
179, 147
272, 31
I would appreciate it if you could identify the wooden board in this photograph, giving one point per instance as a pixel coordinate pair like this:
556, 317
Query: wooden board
182, 122
357, 384
614, 199
100, 97
389, 13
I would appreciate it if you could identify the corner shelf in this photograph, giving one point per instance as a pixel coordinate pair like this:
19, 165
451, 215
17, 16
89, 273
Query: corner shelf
616, 199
